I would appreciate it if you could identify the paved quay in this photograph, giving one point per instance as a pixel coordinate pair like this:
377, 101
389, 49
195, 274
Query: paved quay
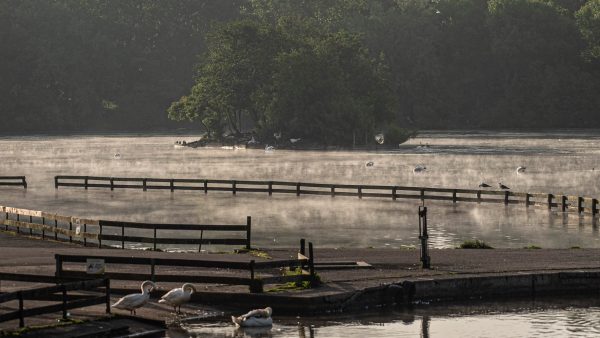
395, 275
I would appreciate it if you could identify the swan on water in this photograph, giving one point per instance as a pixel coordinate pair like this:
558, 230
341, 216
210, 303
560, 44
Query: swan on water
484, 185
419, 168
294, 140
254, 318
178, 296
117, 156
269, 148
521, 169
370, 164
136, 300
502, 186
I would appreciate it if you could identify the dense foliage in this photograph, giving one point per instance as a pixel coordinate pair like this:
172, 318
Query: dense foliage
331, 70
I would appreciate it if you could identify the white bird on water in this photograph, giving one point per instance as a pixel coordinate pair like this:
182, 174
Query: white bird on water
521, 169
254, 318
294, 140
178, 296
136, 300
269, 148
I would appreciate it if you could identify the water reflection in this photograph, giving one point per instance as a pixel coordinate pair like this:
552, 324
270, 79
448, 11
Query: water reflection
541, 318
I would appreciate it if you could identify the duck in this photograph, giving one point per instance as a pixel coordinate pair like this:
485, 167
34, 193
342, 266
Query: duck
117, 156
254, 318
370, 164
419, 168
521, 169
178, 296
136, 300
502, 186
484, 185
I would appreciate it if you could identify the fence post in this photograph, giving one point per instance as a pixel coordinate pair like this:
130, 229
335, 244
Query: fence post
154, 240
145, 184
506, 197
86, 183
30, 229
270, 188
122, 237
100, 237
394, 193
550, 198
311, 262
297, 189
580, 204
55, 233
302, 246
70, 229
594, 206
24, 182
85, 232
478, 196
172, 183
21, 318
454, 196
18, 219
55, 182
201, 237
233, 187
527, 196
359, 192
107, 289
112, 184
64, 302
563, 203
58, 262
6, 225
152, 270
248, 232
423, 195
333, 191
43, 230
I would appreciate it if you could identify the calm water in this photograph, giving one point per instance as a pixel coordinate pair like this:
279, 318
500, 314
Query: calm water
564, 162
565, 318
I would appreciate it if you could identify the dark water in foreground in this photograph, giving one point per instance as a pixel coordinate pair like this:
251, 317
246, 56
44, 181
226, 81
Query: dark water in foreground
579, 317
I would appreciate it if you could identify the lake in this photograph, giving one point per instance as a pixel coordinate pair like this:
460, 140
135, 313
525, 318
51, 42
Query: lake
558, 162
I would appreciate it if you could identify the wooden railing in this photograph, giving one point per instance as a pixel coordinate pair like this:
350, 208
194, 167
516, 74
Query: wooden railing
210, 276
48, 293
566, 203
18, 181
75, 229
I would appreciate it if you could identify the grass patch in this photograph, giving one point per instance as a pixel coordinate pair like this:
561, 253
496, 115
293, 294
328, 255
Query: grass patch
295, 286
28, 329
532, 247
259, 253
475, 244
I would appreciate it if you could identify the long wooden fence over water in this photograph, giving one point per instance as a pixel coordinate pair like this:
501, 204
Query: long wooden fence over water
565, 203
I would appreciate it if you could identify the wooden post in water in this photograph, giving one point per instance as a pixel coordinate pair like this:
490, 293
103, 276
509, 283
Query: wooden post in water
311, 262
248, 232
85, 232
580, 204
233, 187
527, 196
506, 197
478, 196
154, 240
100, 238
201, 237
55, 233
394, 193
30, 229
594, 206
21, 317
563, 203
302, 246
422, 195
270, 188
454, 196
550, 199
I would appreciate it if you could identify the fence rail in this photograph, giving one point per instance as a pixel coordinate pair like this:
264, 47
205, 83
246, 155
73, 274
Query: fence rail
46, 293
18, 181
253, 281
77, 229
565, 203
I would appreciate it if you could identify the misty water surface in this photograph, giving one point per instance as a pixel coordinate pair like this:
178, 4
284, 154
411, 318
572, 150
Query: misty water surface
563, 162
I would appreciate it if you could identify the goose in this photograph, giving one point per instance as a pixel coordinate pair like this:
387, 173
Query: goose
254, 318
419, 169
136, 300
370, 164
178, 296
294, 140
502, 186
379, 138
484, 185
521, 169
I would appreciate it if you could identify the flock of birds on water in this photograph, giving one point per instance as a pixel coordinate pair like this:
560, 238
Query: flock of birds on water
178, 296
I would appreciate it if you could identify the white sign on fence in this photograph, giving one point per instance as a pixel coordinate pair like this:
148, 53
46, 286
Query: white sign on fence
95, 266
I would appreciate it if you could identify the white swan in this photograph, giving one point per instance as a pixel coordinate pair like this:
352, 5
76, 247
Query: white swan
254, 318
379, 138
136, 300
294, 140
269, 148
178, 296
521, 169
